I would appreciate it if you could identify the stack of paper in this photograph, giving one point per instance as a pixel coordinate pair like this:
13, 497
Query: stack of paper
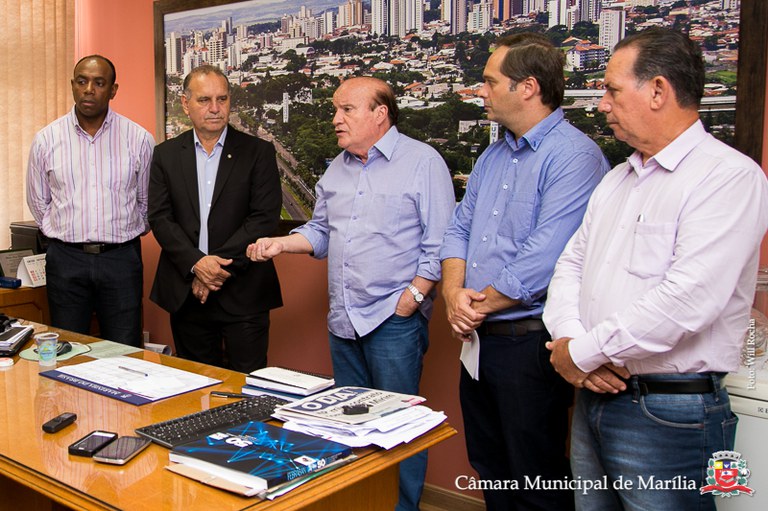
358, 416
286, 383
11, 340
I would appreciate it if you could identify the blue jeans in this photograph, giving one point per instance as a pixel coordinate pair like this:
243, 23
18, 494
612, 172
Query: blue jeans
630, 437
109, 284
389, 358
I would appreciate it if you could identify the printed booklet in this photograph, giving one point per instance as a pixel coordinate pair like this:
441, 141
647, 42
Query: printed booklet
258, 455
288, 380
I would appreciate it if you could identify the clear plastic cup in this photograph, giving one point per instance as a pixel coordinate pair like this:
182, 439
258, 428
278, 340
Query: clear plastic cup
46, 348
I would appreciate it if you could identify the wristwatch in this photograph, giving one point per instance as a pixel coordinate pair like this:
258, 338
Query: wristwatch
416, 294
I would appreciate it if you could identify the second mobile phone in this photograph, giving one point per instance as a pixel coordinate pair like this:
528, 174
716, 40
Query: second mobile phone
92, 442
122, 450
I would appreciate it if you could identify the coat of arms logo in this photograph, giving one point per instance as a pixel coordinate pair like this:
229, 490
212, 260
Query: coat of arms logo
727, 475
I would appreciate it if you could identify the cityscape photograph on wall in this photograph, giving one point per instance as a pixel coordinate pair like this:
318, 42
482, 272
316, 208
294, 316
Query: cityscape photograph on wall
285, 58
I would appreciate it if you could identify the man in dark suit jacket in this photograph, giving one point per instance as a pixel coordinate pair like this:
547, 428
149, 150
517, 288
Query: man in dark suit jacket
212, 191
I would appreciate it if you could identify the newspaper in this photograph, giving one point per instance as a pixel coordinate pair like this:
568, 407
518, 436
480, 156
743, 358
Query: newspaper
348, 405
387, 432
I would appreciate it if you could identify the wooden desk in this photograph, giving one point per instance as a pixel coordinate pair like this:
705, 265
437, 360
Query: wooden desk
26, 302
36, 472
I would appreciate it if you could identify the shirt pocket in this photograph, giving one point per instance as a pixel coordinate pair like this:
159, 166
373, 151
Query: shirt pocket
517, 219
653, 246
384, 214
120, 175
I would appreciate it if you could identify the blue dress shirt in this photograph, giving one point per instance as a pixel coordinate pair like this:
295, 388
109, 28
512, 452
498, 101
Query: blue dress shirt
207, 169
379, 224
524, 200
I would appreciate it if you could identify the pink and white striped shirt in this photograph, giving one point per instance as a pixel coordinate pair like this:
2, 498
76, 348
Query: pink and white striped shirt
90, 189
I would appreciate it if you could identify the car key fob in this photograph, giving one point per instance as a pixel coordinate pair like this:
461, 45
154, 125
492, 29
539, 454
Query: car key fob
60, 422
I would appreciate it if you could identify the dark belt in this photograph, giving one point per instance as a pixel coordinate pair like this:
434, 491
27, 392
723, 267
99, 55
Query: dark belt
647, 386
515, 327
97, 248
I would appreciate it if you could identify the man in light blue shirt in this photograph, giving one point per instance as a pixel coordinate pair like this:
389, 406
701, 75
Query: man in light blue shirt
381, 212
525, 198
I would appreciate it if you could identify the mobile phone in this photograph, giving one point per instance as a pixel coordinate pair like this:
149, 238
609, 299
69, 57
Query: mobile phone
91, 443
122, 450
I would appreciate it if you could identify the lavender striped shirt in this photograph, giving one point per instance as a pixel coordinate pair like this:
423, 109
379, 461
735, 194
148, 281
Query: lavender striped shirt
90, 189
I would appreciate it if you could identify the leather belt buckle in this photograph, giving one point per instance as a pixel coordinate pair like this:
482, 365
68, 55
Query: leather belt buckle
93, 248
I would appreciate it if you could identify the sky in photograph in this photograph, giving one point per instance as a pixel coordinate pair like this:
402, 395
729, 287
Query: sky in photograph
249, 12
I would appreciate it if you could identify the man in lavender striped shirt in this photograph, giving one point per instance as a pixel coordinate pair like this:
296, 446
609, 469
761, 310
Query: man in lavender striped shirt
87, 190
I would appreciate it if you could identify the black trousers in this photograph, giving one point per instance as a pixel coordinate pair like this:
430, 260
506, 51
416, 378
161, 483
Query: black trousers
516, 423
109, 284
209, 334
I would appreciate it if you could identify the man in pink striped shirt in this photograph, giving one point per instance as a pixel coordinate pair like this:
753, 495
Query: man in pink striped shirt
87, 190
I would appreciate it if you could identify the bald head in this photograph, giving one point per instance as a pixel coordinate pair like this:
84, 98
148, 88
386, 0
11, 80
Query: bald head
365, 110
97, 58
379, 92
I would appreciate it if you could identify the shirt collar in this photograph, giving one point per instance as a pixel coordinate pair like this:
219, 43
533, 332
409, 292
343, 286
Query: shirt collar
219, 142
535, 135
384, 146
670, 157
104, 126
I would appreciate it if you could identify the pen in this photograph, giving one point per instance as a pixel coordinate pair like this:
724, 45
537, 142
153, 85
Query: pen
641, 218
219, 393
133, 371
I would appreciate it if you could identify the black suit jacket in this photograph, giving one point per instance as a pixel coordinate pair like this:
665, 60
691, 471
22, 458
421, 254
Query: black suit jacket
246, 205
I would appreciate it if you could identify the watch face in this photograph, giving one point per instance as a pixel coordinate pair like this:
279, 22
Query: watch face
418, 297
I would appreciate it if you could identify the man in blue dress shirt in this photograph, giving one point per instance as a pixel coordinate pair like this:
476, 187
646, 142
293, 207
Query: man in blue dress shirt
381, 212
525, 198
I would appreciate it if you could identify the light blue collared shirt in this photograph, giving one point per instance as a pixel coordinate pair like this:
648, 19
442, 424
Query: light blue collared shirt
379, 224
207, 168
523, 202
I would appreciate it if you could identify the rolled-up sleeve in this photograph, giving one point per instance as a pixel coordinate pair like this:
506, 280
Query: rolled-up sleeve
316, 229
436, 204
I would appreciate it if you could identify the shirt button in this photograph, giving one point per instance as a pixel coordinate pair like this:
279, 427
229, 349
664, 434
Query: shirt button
505, 187
495, 212
474, 265
485, 238
514, 160
354, 217
359, 193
